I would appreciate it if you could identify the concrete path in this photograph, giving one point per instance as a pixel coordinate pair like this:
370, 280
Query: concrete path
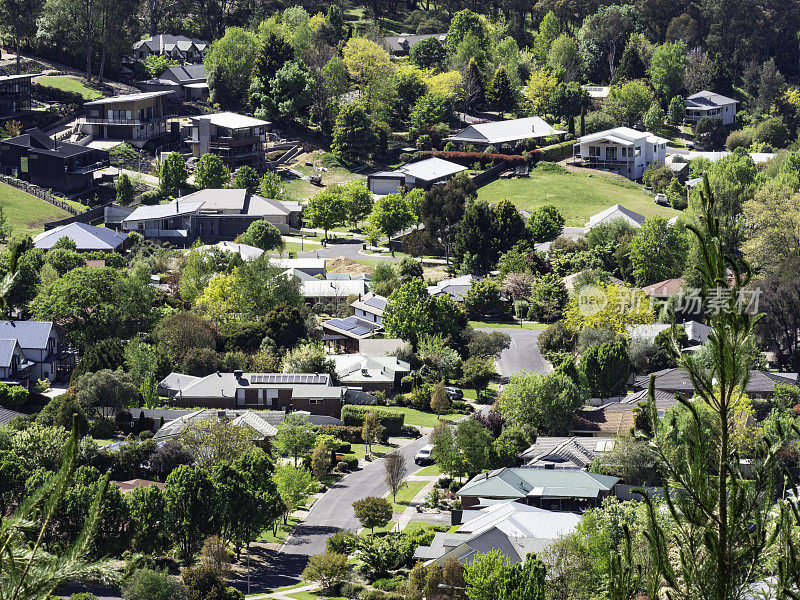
522, 355
284, 595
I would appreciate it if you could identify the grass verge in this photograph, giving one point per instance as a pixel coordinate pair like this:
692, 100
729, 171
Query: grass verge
68, 84
267, 537
429, 471
515, 325
406, 494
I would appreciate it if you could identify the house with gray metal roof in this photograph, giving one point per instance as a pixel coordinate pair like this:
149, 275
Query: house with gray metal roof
514, 529
551, 489
15, 369
132, 117
178, 47
621, 150
237, 139
86, 237
612, 213
370, 308
761, 384
184, 81
419, 174
709, 104
497, 133
43, 345
400, 45
564, 452
371, 373
455, 287
311, 392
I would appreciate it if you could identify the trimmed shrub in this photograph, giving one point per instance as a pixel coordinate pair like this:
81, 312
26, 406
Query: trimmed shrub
102, 428
372, 595
351, 590
484, 158
406, 383
351, 462
342, 542
392, 422
342, 466
458, 405
555, 152
738, 139
351, 435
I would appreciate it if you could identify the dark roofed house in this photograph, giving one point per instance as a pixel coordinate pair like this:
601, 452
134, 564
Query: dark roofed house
15, 369
709, 104
184, 81
676, 381
400, 45
43, 345
551, 489
15, 94
7, 414
564, 452
178, 47
39, 159
664, 289
311, 392
132, 117
370, 308
345, 334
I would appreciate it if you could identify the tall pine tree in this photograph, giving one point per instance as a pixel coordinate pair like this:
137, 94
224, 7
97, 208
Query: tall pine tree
500, 95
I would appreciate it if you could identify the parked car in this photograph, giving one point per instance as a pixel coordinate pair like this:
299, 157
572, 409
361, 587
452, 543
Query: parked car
424, 456
454, 393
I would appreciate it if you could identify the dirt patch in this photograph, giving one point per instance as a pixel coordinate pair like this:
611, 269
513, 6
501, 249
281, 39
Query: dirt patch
349, 266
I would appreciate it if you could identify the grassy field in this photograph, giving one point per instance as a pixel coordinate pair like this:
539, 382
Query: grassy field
313, 596
25, 212
522, 325
430, 470
68, 84
576, 195
419, 526
386, 528
418, 418
358, 450
266, 536
406, 494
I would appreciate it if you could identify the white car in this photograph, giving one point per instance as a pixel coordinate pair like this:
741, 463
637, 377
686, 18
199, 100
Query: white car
424, 456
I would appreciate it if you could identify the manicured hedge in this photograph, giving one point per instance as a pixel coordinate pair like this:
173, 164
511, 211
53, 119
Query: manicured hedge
468, 158
350, 435
392, 422
556, 152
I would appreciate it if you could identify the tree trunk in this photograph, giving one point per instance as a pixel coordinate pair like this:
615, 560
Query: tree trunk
19, 67
722, 557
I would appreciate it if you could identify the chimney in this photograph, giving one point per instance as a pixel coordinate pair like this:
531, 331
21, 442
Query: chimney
238, 374
177, 206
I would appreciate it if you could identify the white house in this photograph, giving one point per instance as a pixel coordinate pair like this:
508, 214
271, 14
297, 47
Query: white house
496, 133
613, 213
622, 150
708, 104
420, 174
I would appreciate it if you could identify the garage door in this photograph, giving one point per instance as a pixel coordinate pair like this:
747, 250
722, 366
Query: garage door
383, 186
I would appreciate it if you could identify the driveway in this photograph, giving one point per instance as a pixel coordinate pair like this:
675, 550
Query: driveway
332, 512
347, 248
523, 353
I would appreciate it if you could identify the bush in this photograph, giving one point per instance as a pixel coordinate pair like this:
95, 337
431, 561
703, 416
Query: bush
458, 405
350, 434
392, 422
738, 139
342, 466
102, 429
351, 462
406, 383
597, 121
372, 595
150, 197
147, 584
555, 152
390, 585
342, 542
771, 131
146, 435
444, 482
351, 590
550, 167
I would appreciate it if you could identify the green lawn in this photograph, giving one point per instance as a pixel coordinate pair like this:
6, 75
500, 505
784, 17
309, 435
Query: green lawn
267, 537
429, 470
68, 84
515, 325
406, 494
576, 195
313, 596
25, 212
359, 450
415, 526
285, 588
421, 419
385, 529
105, 442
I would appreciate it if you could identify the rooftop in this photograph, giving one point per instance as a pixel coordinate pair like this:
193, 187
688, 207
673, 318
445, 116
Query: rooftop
430, 169
512, 130
86, 237
624, 136
160, 211
522, 482
231, 120
371, 303
352, 326
615, 212
43, 144
664, 289
706, 99
127, 98
29, 334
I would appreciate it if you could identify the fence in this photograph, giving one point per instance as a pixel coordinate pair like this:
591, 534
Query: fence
41, 193
87, 216
489, 175
623, 492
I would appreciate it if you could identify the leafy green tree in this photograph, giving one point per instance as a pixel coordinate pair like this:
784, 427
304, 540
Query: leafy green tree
147, 506
262, 234
549, 31
326, 210
666, 69
477, 372
654, 118
391, 214
477, 240
604, 34
229, 63
180, 332
486, 576
466, 23
564, 58
334, 77
354, 138
124, 189
296, 436
292, 90
294, 485
190, 504
246, 178
631, 65
546, 224
412, 313
440, 401
658, 251
60, 412
172, 174
606, 369
428, 53
429, 110
156, 64
569, 99
373, 512
327, 569
474, 442
445, 451
548, 402
19, 19
147, 584
211, 172
443, 208
482, 298
500, 94
627, 102
105, 392
548, 298
358, 200
273, 53
271, 186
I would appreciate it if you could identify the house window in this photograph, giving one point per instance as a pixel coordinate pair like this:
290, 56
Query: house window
23, 164
594, 151
638, 151
611, 153
315, 401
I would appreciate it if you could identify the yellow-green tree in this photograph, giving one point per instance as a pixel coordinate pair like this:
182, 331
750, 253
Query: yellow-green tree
541, 86
612, 307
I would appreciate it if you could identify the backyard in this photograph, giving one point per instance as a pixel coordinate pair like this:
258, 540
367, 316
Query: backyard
418, 418
576, 195
24, 212
69, 84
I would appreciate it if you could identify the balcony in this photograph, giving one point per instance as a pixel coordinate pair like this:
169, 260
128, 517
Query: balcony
96, 166
91, 120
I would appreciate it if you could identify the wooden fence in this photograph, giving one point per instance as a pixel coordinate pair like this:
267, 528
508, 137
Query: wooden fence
489, 175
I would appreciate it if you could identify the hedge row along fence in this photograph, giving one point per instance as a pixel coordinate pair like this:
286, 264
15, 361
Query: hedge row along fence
469, 158
556, 152
392, 422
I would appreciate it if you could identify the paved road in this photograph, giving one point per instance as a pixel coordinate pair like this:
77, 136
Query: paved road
332, 512
349, 249
523, 353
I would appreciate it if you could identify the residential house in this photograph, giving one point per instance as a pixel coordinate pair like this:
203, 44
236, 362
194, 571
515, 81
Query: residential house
455, 287
551, 489
514, 529
400, 45
44, 345
15, 369
761, 384
708, 104
371, 373
132, 484
697, 333
245, 251
597, 92
327, 291
564, 452
663, 290
183, 81
39, 159
420, 174
131, 117
86, 237
622, 150
15, 94
237, 139
613, 213
310, 266
211, 215
179, 47
380, 346
287, 392
497, 133
370, 308
571, 280
346, 334
616, 418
